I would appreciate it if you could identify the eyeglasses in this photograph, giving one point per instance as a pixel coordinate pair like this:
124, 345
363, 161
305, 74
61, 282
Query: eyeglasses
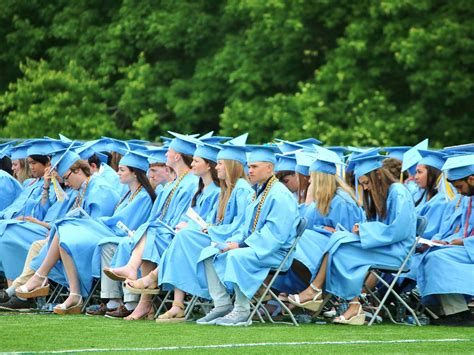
67, 177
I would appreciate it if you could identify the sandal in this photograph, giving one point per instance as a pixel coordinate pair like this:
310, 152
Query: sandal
146, 316
41, 291
315, 305
75, 309
139, 286
112, 275
357, 319
167, 317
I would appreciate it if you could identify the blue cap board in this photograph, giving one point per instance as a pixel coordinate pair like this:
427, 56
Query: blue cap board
303, 161
287, 147
285, 163
4, 151
463, 148
234, 149
262, 153
432, 158
63, 159
366, 164
309, 142
360, 154
45, 146
135, 160
326, 161
183, 144
157, 155
209, 138
207, 151
396, 152
411, 157
340, 151
459, 167
19, 152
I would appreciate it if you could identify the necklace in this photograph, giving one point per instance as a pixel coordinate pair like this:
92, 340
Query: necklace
170, 196
135, 193
457, 205
270, 183
80, 196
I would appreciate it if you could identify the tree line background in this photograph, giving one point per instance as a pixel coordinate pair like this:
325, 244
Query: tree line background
347, 72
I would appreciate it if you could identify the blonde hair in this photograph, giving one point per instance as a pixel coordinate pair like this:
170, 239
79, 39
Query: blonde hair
323, 187
234, 172
24, 171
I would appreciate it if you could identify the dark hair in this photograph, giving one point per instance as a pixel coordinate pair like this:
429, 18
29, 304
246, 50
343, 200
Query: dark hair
394, 166
94, 159
375, 200
283, 174
431, 190
215, 179
6, 165
109, 157
303, 184
188, 159
143, 180
42, 159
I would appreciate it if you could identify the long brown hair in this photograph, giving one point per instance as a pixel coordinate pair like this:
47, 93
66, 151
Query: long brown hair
144, 181
303, 184
375, 200
323, 188
395, 167
214, 177
234, 172
24, 171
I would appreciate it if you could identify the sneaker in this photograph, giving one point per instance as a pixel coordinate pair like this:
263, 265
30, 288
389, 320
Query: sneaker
234, 319
98, 310
215, 313
16, 304
4, 296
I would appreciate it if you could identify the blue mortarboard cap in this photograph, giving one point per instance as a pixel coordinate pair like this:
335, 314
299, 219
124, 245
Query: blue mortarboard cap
157, 155
262, 153
309, 142
45, 146
234, 149
411, 157
287, 147
340, 151
302, 169
432, 158
359, 154
19, 152
183, 144
207, 151
366, 164
326, 161
138, 141
5, 150
303, 161
63, 159
285, 163
462, 149
459, 167
209, 138
396, 152
135, 160
7, 143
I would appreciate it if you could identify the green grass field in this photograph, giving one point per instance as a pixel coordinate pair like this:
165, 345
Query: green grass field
43, 333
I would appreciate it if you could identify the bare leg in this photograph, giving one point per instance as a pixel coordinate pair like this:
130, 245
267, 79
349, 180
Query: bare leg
318, 282
130, 270
71, 272
178, 297
51, 259
144, 305
146, 281
353, 308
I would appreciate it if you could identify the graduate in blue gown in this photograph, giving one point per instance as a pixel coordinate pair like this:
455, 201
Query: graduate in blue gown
186, 247
95, 198
11, 188
260, 244
152, 238
330, 206
448, 271
385, 238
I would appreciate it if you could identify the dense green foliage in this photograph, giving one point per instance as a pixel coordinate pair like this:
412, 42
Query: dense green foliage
347, 72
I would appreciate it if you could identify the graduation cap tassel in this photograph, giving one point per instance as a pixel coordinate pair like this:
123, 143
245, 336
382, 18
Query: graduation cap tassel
60, 194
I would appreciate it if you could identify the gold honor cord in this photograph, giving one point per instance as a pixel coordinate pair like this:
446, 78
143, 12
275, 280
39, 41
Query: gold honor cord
170, 196
139, 188
270, 183
80, 196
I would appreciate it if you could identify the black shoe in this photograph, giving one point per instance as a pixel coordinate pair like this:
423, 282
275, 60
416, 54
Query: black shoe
4, 296
461, 319
16, 304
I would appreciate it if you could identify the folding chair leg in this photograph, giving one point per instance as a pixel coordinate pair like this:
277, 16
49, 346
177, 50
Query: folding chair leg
91, 294
163, 302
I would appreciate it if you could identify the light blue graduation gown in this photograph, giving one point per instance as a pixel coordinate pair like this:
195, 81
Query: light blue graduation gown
179, 265
310, 249
158, 237
99, 200
11, 188
16, 241
266, 247
450, 269
384, 241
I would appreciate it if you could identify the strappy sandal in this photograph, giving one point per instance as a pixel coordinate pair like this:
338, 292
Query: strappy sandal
75, 309
140, 287
358, 319
146, 316
41, 291
168, 317
315, 305
112, 275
